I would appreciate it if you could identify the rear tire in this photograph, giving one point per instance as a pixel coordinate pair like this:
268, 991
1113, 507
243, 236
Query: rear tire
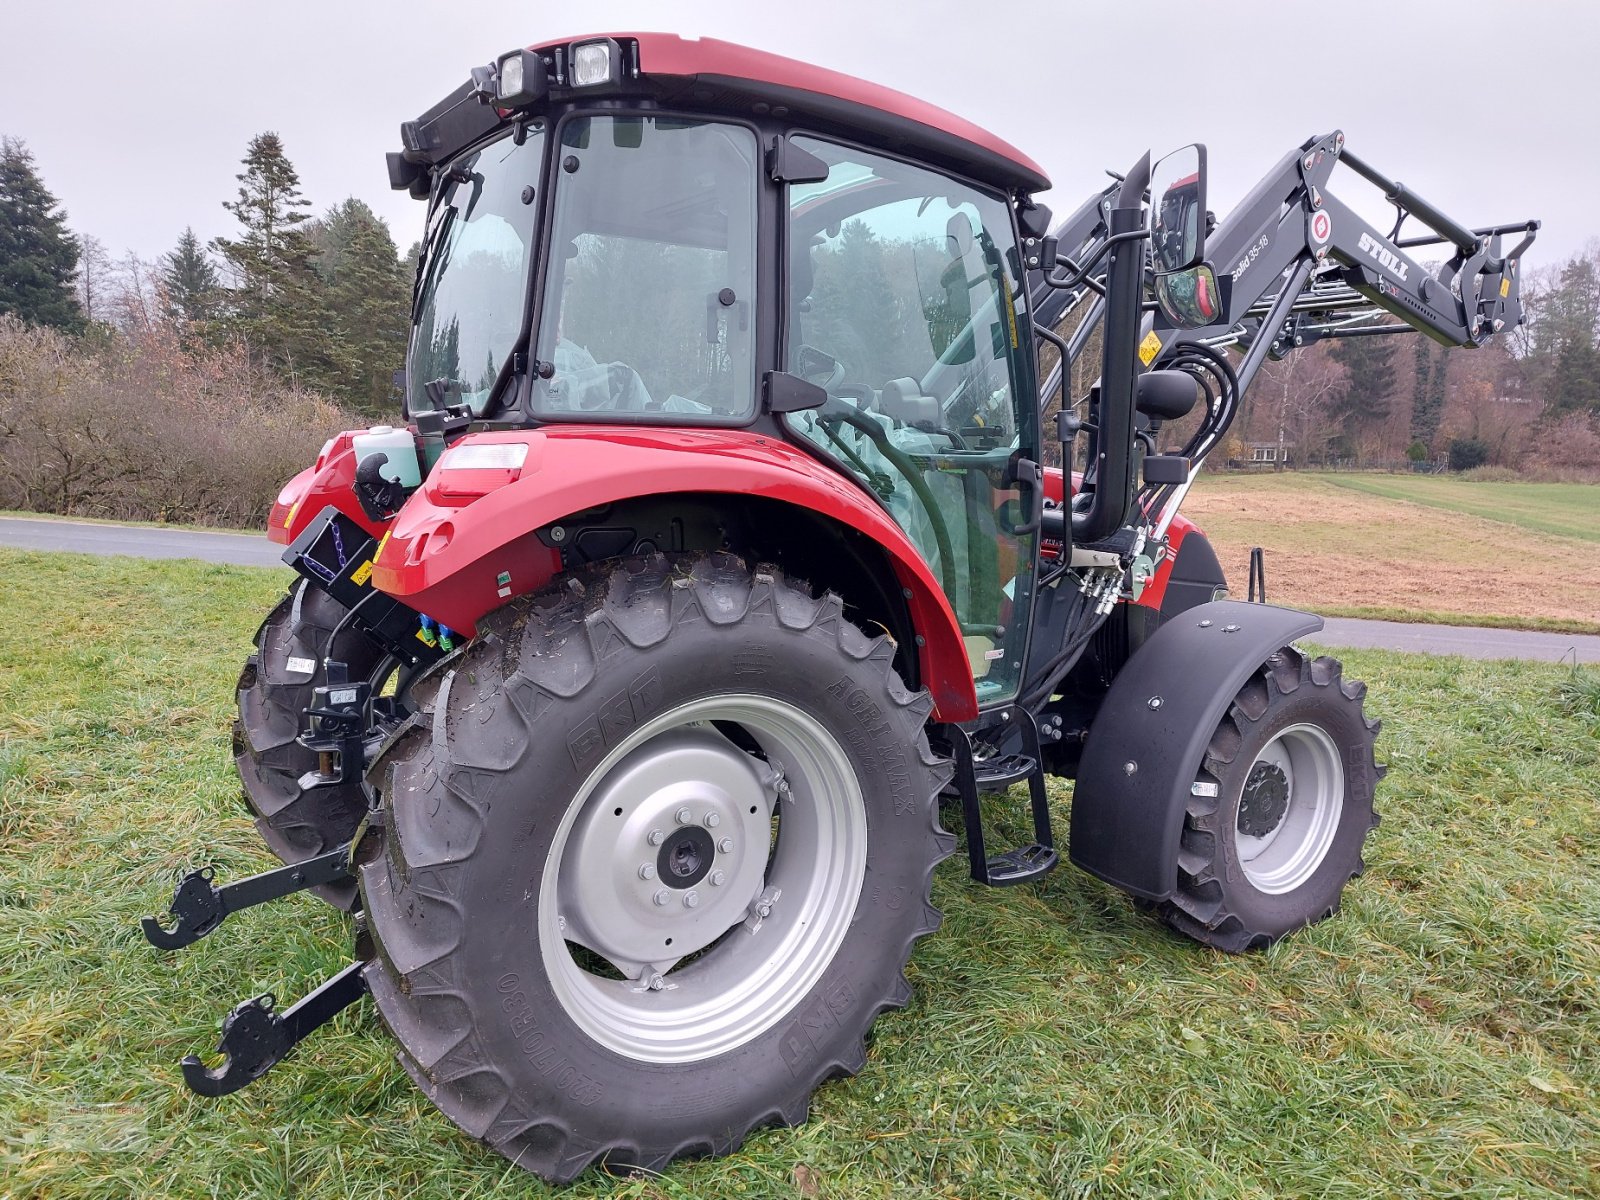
1294, 772
274, 687
548, 812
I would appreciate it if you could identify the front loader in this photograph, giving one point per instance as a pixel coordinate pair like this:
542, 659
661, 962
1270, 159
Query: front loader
625, 688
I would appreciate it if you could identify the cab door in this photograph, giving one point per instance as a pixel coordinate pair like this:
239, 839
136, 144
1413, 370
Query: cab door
904, 306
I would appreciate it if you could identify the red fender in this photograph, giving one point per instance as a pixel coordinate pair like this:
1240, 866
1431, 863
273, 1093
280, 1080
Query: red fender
330, 480
1156, 590
465, 543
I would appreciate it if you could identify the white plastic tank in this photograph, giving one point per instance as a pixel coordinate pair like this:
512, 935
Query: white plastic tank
398, 446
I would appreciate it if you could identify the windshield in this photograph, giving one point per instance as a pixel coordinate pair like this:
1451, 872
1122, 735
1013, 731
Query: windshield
474, 275
650, 292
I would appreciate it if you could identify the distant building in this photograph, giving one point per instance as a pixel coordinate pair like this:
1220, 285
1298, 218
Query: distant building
1267, 454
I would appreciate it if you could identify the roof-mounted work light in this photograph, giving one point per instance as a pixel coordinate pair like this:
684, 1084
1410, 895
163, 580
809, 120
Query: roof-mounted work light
519, 79
596, 63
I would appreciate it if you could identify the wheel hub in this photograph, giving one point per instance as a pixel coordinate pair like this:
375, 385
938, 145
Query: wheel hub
670, 852
1265, 799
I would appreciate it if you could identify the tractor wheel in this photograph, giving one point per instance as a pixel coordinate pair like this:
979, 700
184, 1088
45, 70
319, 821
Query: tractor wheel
1294, 775
274, 687
657, 848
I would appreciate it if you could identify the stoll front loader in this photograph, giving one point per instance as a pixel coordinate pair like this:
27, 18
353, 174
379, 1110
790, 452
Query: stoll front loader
623, 688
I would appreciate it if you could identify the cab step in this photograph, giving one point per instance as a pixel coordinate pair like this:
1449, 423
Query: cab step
1022, 865
972, 778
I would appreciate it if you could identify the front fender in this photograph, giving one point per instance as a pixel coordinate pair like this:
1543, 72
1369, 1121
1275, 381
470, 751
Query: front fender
1146, 744
466, 541
330, 480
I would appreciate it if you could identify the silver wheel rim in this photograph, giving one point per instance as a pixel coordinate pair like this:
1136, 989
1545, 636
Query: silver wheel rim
1282, 857
757, 940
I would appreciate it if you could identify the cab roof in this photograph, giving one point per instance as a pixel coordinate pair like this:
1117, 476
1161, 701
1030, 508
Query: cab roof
706, 72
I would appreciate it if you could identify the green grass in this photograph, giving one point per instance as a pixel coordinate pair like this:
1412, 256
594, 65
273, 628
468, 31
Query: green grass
1442, 1037
1379, 612
1566, 509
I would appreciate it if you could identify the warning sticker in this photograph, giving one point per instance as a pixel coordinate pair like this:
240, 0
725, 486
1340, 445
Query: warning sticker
362, 573
302, 666
382, 542
1149, 348
1321, 228
1505, 288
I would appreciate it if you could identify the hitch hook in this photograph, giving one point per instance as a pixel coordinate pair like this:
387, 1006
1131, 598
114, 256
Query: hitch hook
200, 906
255, 1038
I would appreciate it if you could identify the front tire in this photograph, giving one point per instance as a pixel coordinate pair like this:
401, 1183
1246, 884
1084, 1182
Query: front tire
274, 688
645, 733
1292, 768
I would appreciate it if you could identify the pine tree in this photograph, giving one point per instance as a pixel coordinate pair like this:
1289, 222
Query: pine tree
277, 300
1427, 392
369, 301
1364, 403
38, 256
191, 282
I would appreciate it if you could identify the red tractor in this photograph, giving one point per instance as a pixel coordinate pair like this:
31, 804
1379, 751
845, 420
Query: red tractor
623, 688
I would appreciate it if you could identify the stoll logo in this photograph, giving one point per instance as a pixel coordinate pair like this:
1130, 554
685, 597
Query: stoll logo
1388, 258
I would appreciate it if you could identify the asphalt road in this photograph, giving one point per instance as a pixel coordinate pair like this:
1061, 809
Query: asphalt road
253, 550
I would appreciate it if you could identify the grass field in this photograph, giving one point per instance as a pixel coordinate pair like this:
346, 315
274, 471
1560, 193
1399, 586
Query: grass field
1442, 1037
1420, 548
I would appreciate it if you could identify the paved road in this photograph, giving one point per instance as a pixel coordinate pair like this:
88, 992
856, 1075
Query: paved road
84, 537
253, 550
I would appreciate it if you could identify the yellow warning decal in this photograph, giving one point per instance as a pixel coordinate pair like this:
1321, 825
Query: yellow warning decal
288, 517
382, 542
1149, 348
362, 573
1505, 288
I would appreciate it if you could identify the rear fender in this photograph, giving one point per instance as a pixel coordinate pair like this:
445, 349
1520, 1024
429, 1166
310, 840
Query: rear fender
469, 540
1145, 746
330, 480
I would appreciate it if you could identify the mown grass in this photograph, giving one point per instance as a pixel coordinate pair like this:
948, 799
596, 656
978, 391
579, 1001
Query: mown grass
1567, 509
1442, 1037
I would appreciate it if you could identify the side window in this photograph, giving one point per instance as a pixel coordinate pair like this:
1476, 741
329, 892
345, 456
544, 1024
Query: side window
902, 305
650, 290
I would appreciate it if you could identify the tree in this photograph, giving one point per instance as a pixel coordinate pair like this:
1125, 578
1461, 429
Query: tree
277, 297
1427, 393
190, 281
38, 256
94, 278
369, 300
1364, 402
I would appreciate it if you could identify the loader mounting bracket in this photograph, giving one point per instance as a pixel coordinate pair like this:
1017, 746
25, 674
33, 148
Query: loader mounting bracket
255, 1037
200, 906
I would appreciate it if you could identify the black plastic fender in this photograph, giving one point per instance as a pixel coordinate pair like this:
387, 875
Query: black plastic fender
1144, 748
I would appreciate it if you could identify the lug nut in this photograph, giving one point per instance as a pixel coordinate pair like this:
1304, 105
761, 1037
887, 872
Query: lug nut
647, 871
712, 820
726, 845
683, 816
691, 899
656, 837
657, 982
662, 897
718, 878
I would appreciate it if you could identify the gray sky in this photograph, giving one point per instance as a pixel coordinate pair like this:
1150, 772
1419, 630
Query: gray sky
138, 112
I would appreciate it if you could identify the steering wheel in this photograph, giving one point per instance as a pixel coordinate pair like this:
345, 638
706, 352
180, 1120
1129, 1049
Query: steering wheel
818, 367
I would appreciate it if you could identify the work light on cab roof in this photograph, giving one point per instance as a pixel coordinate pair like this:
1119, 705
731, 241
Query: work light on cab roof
726, 546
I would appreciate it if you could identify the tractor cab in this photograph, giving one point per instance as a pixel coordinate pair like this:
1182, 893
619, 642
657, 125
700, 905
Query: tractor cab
789, 251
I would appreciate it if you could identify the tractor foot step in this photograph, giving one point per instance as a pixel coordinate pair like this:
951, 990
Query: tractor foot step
200, 906
1022, 865
255, 1038
997, 774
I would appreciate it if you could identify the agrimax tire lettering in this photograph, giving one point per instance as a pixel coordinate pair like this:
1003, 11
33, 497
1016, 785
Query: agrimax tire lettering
799, 1042
889, 753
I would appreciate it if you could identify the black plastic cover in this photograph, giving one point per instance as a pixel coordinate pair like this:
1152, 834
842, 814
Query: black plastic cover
1145, 746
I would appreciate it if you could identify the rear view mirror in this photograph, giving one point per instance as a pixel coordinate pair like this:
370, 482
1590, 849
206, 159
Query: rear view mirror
1178, 209
1191, 299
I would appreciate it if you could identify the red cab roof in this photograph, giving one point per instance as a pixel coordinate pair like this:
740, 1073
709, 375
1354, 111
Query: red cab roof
713, 68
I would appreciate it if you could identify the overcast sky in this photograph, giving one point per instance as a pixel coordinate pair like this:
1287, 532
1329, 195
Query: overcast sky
138, 112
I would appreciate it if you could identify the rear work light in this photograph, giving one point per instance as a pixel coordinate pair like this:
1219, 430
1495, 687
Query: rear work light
596, 63
519, 79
